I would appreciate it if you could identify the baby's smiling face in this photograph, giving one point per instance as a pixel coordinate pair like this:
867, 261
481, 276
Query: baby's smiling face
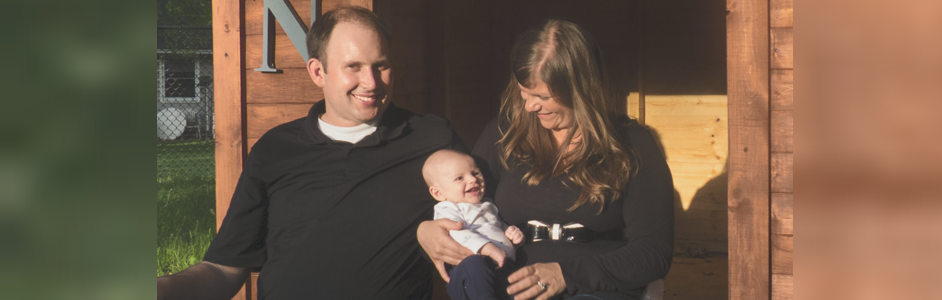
456, 179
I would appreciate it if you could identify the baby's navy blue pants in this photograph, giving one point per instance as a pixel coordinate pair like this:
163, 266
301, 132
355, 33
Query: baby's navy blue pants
477, 278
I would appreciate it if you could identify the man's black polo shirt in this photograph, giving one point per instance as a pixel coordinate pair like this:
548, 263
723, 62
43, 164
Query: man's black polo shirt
334, 220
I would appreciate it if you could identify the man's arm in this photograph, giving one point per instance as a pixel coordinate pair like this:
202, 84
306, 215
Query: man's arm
204, 280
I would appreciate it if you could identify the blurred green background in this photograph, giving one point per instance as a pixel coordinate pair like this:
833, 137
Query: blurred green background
75, 214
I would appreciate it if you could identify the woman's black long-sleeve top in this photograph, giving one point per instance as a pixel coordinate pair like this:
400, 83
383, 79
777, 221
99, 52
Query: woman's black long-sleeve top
644, 213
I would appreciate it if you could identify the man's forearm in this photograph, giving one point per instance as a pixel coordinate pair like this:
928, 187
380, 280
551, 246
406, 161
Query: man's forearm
202, 281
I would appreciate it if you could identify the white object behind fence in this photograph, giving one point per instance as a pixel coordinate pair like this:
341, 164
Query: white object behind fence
170, 123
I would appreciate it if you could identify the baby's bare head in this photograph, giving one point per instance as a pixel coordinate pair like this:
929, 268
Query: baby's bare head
453, 176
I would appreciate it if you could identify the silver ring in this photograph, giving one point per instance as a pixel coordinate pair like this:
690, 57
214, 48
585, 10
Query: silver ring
542, 286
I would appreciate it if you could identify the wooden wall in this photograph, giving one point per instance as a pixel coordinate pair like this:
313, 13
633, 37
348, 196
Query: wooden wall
781, 23
683, 86
693, 132
760, 66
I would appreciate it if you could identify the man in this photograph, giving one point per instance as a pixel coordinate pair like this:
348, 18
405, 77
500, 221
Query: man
327, 206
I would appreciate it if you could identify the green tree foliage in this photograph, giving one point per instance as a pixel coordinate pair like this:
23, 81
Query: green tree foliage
185, 12
179, 25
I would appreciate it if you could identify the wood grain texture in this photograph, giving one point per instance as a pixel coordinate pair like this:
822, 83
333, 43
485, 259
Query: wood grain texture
252, 285
783, 214
692, 138
692, 129
781, 13
782, 172
783, 133
783, 89
228, 82
293, 86
700, 186
707, 227
748, 91
782, 287
697, 105
254, 14
783, 41
286, 55
263, 117
782, 254
634, 101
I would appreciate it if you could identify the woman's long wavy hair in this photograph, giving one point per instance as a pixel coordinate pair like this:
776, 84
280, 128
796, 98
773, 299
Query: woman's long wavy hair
564, 56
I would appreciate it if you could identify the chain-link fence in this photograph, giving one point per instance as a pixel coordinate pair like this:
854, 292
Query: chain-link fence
185, 135
186, 189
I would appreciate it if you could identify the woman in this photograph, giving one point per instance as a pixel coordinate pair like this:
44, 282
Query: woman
560, 156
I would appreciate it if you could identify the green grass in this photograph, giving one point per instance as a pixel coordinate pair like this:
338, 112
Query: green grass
185, 159
186, 221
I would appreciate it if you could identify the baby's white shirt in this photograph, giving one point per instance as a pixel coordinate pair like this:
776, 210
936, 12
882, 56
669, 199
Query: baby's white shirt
481, 225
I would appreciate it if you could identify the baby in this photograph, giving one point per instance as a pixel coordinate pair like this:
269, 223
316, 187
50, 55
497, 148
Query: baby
455, 181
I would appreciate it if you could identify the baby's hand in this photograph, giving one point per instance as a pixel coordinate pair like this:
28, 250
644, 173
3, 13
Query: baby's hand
514, 235
495, 253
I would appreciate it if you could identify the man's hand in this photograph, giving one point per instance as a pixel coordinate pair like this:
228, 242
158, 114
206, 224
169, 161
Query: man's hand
441, 248
495, 253
514, 235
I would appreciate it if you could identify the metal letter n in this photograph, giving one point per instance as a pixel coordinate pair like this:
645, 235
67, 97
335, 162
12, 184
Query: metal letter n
283, 11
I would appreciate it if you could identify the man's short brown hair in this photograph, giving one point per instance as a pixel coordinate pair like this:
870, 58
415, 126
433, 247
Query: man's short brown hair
323, 27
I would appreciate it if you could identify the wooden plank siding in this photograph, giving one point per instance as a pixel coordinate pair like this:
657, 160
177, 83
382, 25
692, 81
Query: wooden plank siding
782, 287
782, 139
783, 134
692, 130
781, 13
782, 248
782, 214
783, 91
782, 54
262, 117
294, 86
748, 91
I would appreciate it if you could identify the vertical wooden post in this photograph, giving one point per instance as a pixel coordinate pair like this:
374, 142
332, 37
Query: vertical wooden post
641, 104
229, 79
229, 97
747, 32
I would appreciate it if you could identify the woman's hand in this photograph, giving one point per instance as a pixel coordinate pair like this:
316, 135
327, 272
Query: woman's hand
525, 283
441, 248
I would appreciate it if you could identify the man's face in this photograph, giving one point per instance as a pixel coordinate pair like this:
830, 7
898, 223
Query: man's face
458, 180
358, 80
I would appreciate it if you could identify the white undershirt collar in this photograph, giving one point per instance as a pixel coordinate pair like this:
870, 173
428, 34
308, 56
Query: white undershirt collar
347, 134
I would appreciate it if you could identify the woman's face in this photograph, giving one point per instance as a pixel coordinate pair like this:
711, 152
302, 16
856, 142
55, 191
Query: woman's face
553, 115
